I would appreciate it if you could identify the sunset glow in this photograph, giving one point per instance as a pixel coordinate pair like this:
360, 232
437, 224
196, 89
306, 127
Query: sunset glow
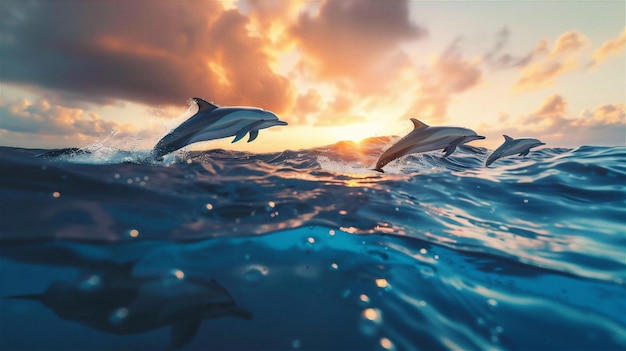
75, 72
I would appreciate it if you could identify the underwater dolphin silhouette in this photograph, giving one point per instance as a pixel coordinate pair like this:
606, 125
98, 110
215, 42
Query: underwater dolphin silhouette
120, 303
214, 122
513, 146
424, 138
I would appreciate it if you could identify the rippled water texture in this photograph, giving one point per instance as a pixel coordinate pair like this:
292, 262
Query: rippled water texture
310, 249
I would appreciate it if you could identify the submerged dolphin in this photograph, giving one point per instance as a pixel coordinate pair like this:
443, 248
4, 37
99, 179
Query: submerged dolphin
120, 303
513, 146
213, 122
424, 138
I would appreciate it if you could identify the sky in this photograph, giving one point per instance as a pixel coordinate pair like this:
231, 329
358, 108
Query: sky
75, 73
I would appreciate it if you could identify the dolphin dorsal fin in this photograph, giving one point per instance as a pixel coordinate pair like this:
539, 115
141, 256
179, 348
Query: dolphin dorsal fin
507, 138
417, 124
204, 105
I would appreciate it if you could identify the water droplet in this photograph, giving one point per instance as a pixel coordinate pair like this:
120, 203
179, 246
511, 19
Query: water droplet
116, 176
387, 344
129, 181
56, 194
296, 344
310, 240
423, 251
255, 273
492, 303
371, 320
209, 206
383, 283
133, 233
525, 201
343, 212
246, 257
271, 204
331, 232
364, 299
334, 266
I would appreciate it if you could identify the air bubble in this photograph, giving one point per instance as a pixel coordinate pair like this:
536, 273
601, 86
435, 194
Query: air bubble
255, 273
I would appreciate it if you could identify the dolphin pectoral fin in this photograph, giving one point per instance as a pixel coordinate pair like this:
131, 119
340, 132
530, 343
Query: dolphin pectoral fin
183, 331
240, 134
449, 150
253, 135
524, 153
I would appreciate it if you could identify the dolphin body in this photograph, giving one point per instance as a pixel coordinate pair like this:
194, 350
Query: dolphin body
424, 138
213, 122
513, 146
120, 303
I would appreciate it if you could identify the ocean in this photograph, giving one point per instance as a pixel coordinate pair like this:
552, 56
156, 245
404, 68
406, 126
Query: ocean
311, 250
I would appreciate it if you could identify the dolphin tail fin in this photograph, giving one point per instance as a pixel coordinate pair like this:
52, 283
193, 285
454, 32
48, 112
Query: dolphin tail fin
378, 170
253, 135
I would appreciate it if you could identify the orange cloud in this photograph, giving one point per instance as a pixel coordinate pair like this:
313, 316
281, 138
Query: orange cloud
334, 48
551, 105
542, 74
339, 113
306, 105
552, 123
41, 117
607, 49
568, 42
448, 75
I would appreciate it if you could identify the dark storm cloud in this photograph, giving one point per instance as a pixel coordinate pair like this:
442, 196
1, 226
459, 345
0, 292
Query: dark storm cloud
149, 52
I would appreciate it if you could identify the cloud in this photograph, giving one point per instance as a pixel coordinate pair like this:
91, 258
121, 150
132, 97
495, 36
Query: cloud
354, 43
554, 104
157, 55
608, 48
568, 42
556, 62
306, 105
448, 75
497, 59
542, 74
552, 123
43, 118
339, 112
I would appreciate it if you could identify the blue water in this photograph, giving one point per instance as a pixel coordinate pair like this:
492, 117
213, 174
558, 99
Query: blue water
310, 250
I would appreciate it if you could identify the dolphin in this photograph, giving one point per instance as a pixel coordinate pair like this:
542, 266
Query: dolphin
513, 146
118, 302
214, 122
424, 138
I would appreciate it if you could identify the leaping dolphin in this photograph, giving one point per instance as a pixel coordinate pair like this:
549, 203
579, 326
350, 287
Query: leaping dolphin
513, 146
424, 138
118, 302
214, 122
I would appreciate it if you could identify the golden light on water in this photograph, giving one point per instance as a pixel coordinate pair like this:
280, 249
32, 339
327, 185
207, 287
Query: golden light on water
382, 283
